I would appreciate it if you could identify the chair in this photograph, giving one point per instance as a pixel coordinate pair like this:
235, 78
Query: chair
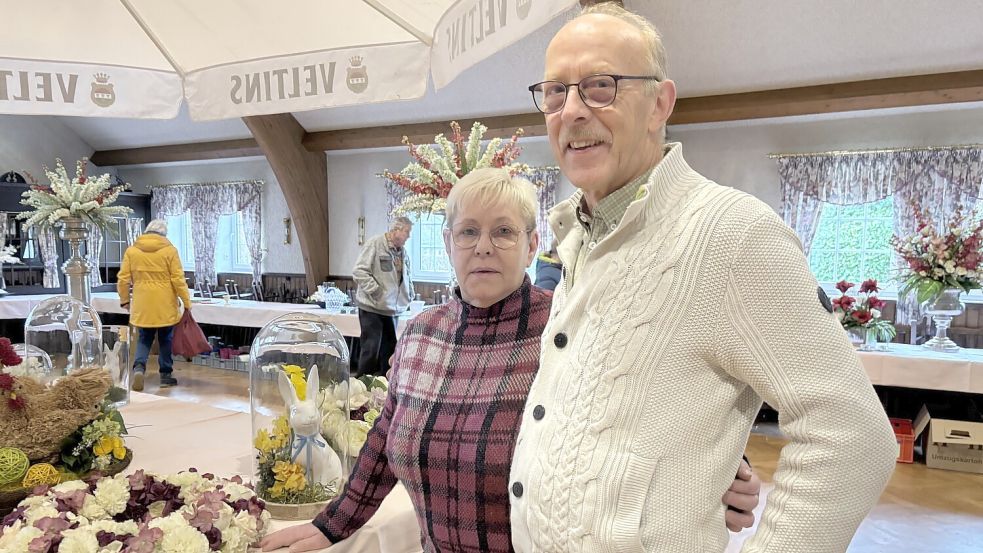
232, 289
919, 329
258, 291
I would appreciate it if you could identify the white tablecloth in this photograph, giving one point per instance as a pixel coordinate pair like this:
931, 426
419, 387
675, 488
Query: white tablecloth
916, 367
243, 313
169, 436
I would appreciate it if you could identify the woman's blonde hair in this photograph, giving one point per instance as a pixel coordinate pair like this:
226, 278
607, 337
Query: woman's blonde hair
157, 226
490, 186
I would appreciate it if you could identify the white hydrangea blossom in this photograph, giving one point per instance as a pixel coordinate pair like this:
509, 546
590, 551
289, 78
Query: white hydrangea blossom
90, 198
184, 539
112, 494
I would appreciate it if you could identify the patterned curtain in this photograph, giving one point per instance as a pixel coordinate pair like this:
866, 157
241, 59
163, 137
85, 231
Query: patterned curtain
810, 181
134, 228
168, 201
545, 179
250, 207
394, 196
205, 201
48, 246
93, 250
939, 179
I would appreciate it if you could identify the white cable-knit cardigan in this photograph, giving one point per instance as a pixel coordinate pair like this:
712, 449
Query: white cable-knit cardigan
654, 365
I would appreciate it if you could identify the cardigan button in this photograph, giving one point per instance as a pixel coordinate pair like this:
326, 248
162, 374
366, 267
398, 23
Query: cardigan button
517, 489
560, 340
539, 412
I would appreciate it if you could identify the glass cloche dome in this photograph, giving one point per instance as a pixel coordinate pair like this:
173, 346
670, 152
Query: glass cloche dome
69, 331
299, 398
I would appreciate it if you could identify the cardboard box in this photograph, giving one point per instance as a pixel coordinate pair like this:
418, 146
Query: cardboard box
951, 444
905, 435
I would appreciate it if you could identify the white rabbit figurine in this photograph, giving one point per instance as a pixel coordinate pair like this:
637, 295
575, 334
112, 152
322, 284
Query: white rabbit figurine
110, 360
309, 449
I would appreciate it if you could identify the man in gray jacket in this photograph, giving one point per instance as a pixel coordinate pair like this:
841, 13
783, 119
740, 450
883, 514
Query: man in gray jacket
385, 289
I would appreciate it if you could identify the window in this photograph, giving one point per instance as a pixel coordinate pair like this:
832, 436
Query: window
179, 233
231, 253
852, 243
114, 244
428, 257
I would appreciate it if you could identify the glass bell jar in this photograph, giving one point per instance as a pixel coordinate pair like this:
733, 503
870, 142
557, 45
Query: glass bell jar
299, 399
116, 360
68, 331
35, 363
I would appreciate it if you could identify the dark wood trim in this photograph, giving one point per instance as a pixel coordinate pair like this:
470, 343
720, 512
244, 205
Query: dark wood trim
502, 126
223, 149
915, 90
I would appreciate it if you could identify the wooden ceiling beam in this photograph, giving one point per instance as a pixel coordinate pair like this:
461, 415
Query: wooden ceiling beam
895, 92
503, 126
917, 90
178, 152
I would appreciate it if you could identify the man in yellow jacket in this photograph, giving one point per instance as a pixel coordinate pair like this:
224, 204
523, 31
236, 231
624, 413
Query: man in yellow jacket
153, 266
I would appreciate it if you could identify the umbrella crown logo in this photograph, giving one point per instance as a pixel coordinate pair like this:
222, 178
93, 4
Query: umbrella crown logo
358, 77
102, 93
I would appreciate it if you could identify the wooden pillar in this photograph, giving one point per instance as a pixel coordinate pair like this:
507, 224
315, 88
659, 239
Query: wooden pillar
303, 178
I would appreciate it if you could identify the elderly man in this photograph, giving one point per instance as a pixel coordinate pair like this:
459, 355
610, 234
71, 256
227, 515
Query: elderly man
385, 288
683, 304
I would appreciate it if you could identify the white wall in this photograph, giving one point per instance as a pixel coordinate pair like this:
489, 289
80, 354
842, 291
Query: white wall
735, 154
355, 190
29, 141
280, 257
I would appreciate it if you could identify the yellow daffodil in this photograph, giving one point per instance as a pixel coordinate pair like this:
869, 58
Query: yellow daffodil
110, 445
281, 432
289, 476
263, 442
296, 375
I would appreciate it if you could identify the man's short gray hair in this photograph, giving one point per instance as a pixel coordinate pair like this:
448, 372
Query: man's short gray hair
157, 226
399, 223
655, 52
490, 186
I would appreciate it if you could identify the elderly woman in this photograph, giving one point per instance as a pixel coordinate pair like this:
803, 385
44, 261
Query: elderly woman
152, 265
459, 383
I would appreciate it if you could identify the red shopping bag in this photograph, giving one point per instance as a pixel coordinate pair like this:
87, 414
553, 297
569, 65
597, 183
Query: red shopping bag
189, 340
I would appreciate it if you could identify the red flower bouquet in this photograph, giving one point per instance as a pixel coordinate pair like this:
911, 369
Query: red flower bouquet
864, 310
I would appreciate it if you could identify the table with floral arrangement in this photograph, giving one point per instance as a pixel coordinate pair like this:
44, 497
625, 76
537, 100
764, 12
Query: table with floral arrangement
168, 435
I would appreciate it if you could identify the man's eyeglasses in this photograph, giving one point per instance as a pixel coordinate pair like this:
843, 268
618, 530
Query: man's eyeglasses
502, 237
597, 91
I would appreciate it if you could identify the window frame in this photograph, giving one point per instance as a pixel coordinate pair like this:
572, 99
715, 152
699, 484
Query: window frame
415, 248
889, 287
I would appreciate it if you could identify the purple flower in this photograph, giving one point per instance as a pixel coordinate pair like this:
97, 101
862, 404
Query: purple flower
14, 516
70, 501
105, 538
52, 525
47, 543
214, 536
145, 540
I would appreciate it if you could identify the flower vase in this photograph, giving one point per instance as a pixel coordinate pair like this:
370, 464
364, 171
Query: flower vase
870, 340
943, 308
76, 267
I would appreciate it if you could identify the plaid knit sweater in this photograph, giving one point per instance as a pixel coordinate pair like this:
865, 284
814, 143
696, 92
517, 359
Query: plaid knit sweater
457, 391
